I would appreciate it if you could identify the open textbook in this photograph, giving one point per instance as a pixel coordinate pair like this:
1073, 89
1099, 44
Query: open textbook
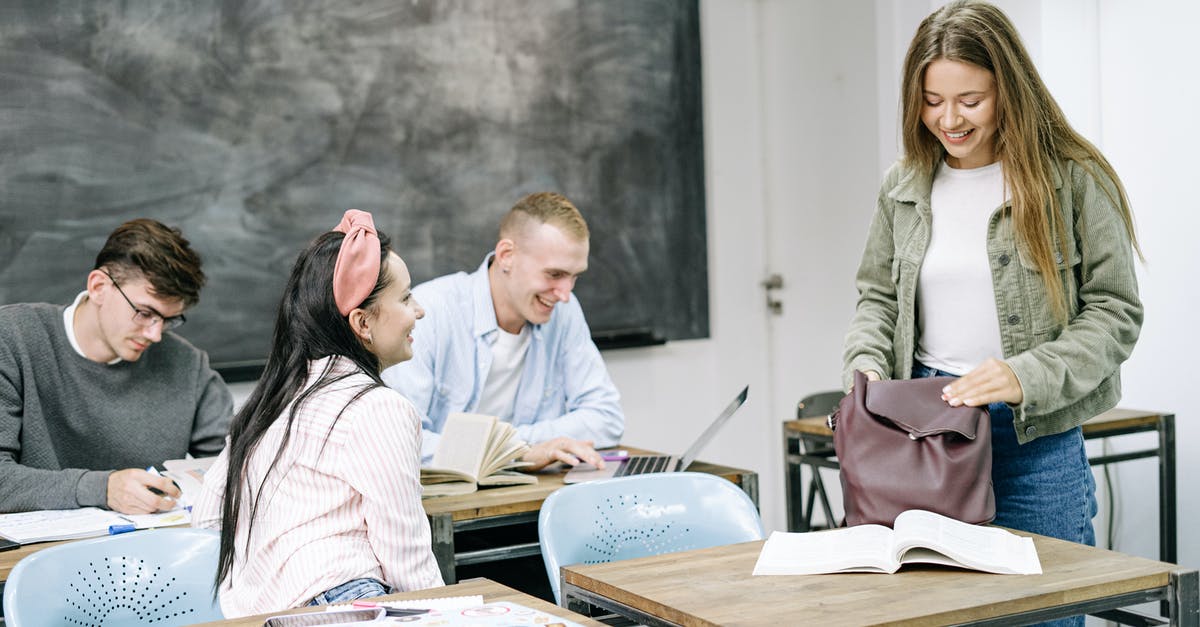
475, 450
70, 524
918, 537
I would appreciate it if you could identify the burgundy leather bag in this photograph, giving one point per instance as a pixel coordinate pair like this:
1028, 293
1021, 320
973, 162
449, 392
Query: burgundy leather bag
900, 447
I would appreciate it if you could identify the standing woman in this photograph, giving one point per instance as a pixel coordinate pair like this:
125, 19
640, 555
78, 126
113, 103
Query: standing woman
1002, 252
325, 458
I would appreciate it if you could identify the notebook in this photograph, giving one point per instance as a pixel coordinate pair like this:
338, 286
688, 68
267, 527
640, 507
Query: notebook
642, 464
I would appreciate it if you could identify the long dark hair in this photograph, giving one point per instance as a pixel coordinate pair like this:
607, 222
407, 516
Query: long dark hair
307, 327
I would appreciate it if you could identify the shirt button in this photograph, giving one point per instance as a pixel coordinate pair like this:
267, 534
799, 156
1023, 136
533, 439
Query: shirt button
1014, 319
1031, 431
1004, 259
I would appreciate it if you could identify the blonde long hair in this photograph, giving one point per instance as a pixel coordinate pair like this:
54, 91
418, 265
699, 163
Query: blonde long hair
1032, 131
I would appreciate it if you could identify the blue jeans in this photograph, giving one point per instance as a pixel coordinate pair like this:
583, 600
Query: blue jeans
352, 590
1044, 486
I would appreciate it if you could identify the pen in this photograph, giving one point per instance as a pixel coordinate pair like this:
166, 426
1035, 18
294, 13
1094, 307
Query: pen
154, 471
115, 529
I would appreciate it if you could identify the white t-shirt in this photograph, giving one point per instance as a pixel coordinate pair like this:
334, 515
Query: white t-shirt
504, 377
956, 304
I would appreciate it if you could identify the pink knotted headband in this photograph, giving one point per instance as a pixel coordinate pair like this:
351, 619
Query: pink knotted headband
357, 266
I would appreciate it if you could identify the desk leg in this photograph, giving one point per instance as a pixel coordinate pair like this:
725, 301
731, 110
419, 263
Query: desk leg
793, 478
1185, 598
749, 484
1166, 489
441, 527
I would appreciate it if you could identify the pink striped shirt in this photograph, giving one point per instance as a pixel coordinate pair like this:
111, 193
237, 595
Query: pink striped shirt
327, 517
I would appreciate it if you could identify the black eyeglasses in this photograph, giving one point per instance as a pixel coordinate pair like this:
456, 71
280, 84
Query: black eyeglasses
148, 317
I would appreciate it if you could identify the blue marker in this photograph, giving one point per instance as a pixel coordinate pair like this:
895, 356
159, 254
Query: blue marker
115, 529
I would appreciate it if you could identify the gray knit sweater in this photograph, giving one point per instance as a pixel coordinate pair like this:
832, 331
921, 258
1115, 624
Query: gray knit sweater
67, 422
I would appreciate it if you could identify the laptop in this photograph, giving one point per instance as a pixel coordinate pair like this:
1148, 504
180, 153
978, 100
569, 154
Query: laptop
642, 464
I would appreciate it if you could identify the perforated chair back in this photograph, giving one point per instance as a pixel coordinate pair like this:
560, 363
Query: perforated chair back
818, 404
162, 577
642, 515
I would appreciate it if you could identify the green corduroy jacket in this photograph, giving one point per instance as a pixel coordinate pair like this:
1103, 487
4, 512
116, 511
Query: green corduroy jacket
1069, 373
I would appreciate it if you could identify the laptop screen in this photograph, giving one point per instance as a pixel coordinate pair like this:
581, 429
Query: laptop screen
694, 450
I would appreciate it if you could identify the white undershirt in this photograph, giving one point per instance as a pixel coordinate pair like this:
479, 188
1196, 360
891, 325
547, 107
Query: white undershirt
69, 323
504, 377
956, 304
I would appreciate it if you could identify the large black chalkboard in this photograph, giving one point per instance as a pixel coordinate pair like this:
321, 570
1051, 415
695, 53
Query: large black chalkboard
252, 124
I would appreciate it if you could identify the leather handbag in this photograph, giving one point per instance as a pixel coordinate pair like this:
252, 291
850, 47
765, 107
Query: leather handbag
901, 447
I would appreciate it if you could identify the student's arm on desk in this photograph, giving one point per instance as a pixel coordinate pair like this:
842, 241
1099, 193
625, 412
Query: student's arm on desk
23, 488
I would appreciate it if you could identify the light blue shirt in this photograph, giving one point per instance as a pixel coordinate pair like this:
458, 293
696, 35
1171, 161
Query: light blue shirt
565, 389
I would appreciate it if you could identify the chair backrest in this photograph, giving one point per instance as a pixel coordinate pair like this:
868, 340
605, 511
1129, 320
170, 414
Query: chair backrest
818, 404
628, 517
161, 577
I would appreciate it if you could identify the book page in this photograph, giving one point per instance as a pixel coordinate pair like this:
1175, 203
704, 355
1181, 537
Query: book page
865, 548
494, 614
464, 443
503, 450
188, 474
988, 549
58, 524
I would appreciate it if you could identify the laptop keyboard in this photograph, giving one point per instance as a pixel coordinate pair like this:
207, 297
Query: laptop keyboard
642, 464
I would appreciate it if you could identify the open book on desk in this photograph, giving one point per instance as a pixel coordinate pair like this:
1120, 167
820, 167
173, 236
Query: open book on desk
918, 537
475, 450
70, 524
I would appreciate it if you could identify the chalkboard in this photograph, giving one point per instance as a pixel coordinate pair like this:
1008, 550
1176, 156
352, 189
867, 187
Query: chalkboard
252, 126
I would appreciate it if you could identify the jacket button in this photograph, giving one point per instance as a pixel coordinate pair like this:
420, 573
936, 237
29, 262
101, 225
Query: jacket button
1031, 431
1031, 405
1004, 259
1014, 319
1058, 257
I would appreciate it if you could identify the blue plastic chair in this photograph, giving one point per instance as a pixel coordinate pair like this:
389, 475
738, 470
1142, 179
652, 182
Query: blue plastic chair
642, 515
161, 577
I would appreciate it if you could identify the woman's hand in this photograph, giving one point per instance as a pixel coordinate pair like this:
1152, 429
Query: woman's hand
990, 382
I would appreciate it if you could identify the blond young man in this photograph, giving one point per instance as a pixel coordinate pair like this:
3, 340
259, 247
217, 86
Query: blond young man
510, 340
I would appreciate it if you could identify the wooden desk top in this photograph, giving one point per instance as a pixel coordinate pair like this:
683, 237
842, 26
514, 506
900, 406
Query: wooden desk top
490, 590
714, 587
1116, 419
482, 504
519, 499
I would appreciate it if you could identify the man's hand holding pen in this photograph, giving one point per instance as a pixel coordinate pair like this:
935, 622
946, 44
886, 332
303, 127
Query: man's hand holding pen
136, 491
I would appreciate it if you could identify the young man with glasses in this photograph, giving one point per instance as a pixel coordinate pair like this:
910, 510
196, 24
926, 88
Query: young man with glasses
94, 393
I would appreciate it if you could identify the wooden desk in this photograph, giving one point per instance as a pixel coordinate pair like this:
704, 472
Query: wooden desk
490, 507
490, 590
516, 505
809, 442
714, 587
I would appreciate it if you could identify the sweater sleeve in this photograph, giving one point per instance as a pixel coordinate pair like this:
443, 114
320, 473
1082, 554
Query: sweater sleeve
23, 488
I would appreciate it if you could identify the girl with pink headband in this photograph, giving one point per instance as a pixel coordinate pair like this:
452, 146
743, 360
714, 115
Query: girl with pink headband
325, 458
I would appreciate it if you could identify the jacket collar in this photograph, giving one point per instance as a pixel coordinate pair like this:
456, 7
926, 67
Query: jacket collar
916, 186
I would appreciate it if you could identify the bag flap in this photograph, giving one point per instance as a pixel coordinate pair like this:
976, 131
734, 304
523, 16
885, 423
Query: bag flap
916, 406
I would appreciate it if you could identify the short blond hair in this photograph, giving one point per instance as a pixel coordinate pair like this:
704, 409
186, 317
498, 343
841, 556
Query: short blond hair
544, 208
